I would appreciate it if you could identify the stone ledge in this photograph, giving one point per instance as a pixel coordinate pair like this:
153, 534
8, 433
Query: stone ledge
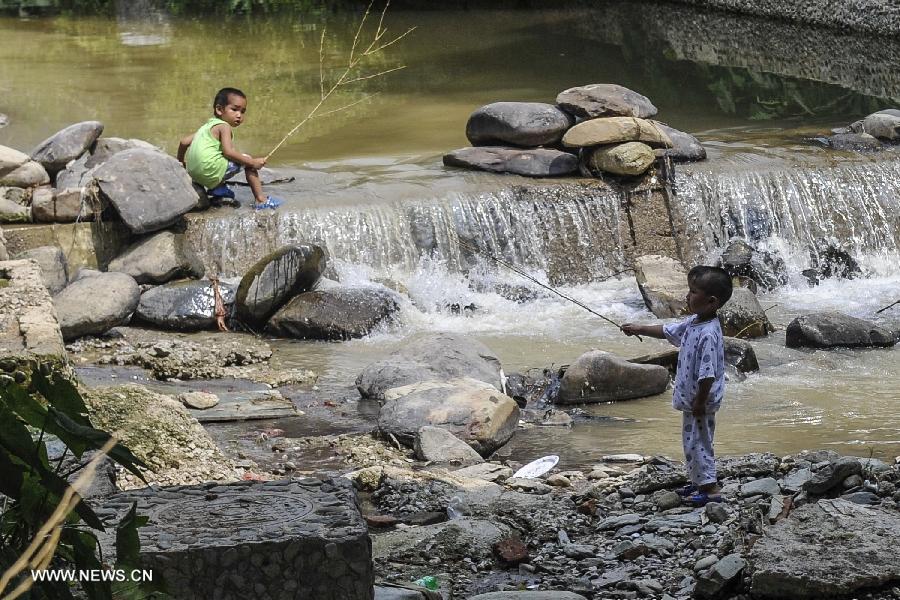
29, 329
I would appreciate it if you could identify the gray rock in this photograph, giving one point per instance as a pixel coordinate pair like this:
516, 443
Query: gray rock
275, 279
615, 130
793, 481
767, 486
486, 472
685, 147
515, 595
741, 355
716, 512
473, 411
599, 376
396, 593
105, 147
160, 258
628, 158
11, 159
184, 305
706, 562
198, 400
743, 315
54, 267
668, 500
832, 329
94, 305
65, 205
688, 520
528, 486
148, 189
605, 100
14, 206
832, 475
713, 582
430, 357
618, 521
74, 175
882, 126
526, 124
28, 175
858, 142
662, 282
334, 314
864, 498
66, 145
541, 162
465, 536
861, 543
436, 444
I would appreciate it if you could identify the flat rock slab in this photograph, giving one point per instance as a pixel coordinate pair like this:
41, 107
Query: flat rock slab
279, 539
862, 542
539, 162
517, 123
605, 100
614, 130
150, 190
28, 325
246, 406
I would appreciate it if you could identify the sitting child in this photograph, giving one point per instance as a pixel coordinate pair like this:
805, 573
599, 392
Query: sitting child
209, 154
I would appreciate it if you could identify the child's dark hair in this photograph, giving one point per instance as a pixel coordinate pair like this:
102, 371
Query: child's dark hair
712, 281
223, 95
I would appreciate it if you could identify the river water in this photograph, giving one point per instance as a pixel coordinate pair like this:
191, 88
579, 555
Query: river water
370, 186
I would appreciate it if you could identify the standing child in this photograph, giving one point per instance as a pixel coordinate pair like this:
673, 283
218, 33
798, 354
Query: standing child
700, 379
209, 154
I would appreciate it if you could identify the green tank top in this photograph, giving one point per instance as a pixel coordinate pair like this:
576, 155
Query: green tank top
204, 160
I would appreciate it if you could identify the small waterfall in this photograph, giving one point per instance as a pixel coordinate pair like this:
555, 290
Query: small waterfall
569, 231
795, 209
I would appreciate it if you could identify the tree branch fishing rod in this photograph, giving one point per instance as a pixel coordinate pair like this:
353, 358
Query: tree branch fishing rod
522, 273
887, 307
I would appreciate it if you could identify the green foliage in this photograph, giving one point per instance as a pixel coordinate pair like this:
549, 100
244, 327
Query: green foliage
33, 485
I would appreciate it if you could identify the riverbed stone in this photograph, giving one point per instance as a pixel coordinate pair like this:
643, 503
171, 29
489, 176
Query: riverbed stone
859, 142
275, 279
743, 315
159, 258
424, 357
198, 400
599, 376
66, 145
833, 329
862, 552
438, 445
741, 355
148, 189
54, 269
104, 148
472, 410
832, 475
662, 282
605, 100
540, 162
714, 581
29, 328
30, 174
11, 159
629, 158
14, 205
883, 126
615, 130
765, 486
528, 595
288, 539
94, 305
685, 147
764, 268
526, 124
184, 305
66, 205
339, 313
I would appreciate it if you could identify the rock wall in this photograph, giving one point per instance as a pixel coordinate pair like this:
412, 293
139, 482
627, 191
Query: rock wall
874, 16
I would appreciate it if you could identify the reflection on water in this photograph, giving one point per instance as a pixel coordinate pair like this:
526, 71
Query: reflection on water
150, 76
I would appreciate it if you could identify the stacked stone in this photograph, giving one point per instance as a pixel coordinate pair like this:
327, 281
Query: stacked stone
606, 125
877, 131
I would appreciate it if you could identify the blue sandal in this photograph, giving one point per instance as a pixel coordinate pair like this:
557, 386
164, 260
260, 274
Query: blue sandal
271, 202
702, 499
221, 191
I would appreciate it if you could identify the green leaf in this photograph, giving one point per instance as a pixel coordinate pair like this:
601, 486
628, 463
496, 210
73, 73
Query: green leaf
96, 438
16, 439
11, 476
84, 550
62, 395
128, 543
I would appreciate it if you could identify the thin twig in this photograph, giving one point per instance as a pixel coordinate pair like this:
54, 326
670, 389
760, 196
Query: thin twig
887, 307
372, 76
346, 106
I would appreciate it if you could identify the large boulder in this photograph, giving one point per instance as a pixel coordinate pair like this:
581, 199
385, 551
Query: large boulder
426, 357
743, 316
184, 305
662, 282
517, 123
685, 147
614, 130
438, 445
149, 190
472, 410
833, 329
27, 175
883, 126
11, 159
160, 258
66, 145
603, 377
540, 162
334, 314
861, 542
54, 268
740, 259
104, 148
605, 100
630, 158
275, 279
741, 355
94, 305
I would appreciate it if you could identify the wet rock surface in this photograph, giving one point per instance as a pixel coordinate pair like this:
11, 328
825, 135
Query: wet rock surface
603, 377
541, 162
831, 329
184, 305
743, 316
334, 314
662, 282
517, 123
